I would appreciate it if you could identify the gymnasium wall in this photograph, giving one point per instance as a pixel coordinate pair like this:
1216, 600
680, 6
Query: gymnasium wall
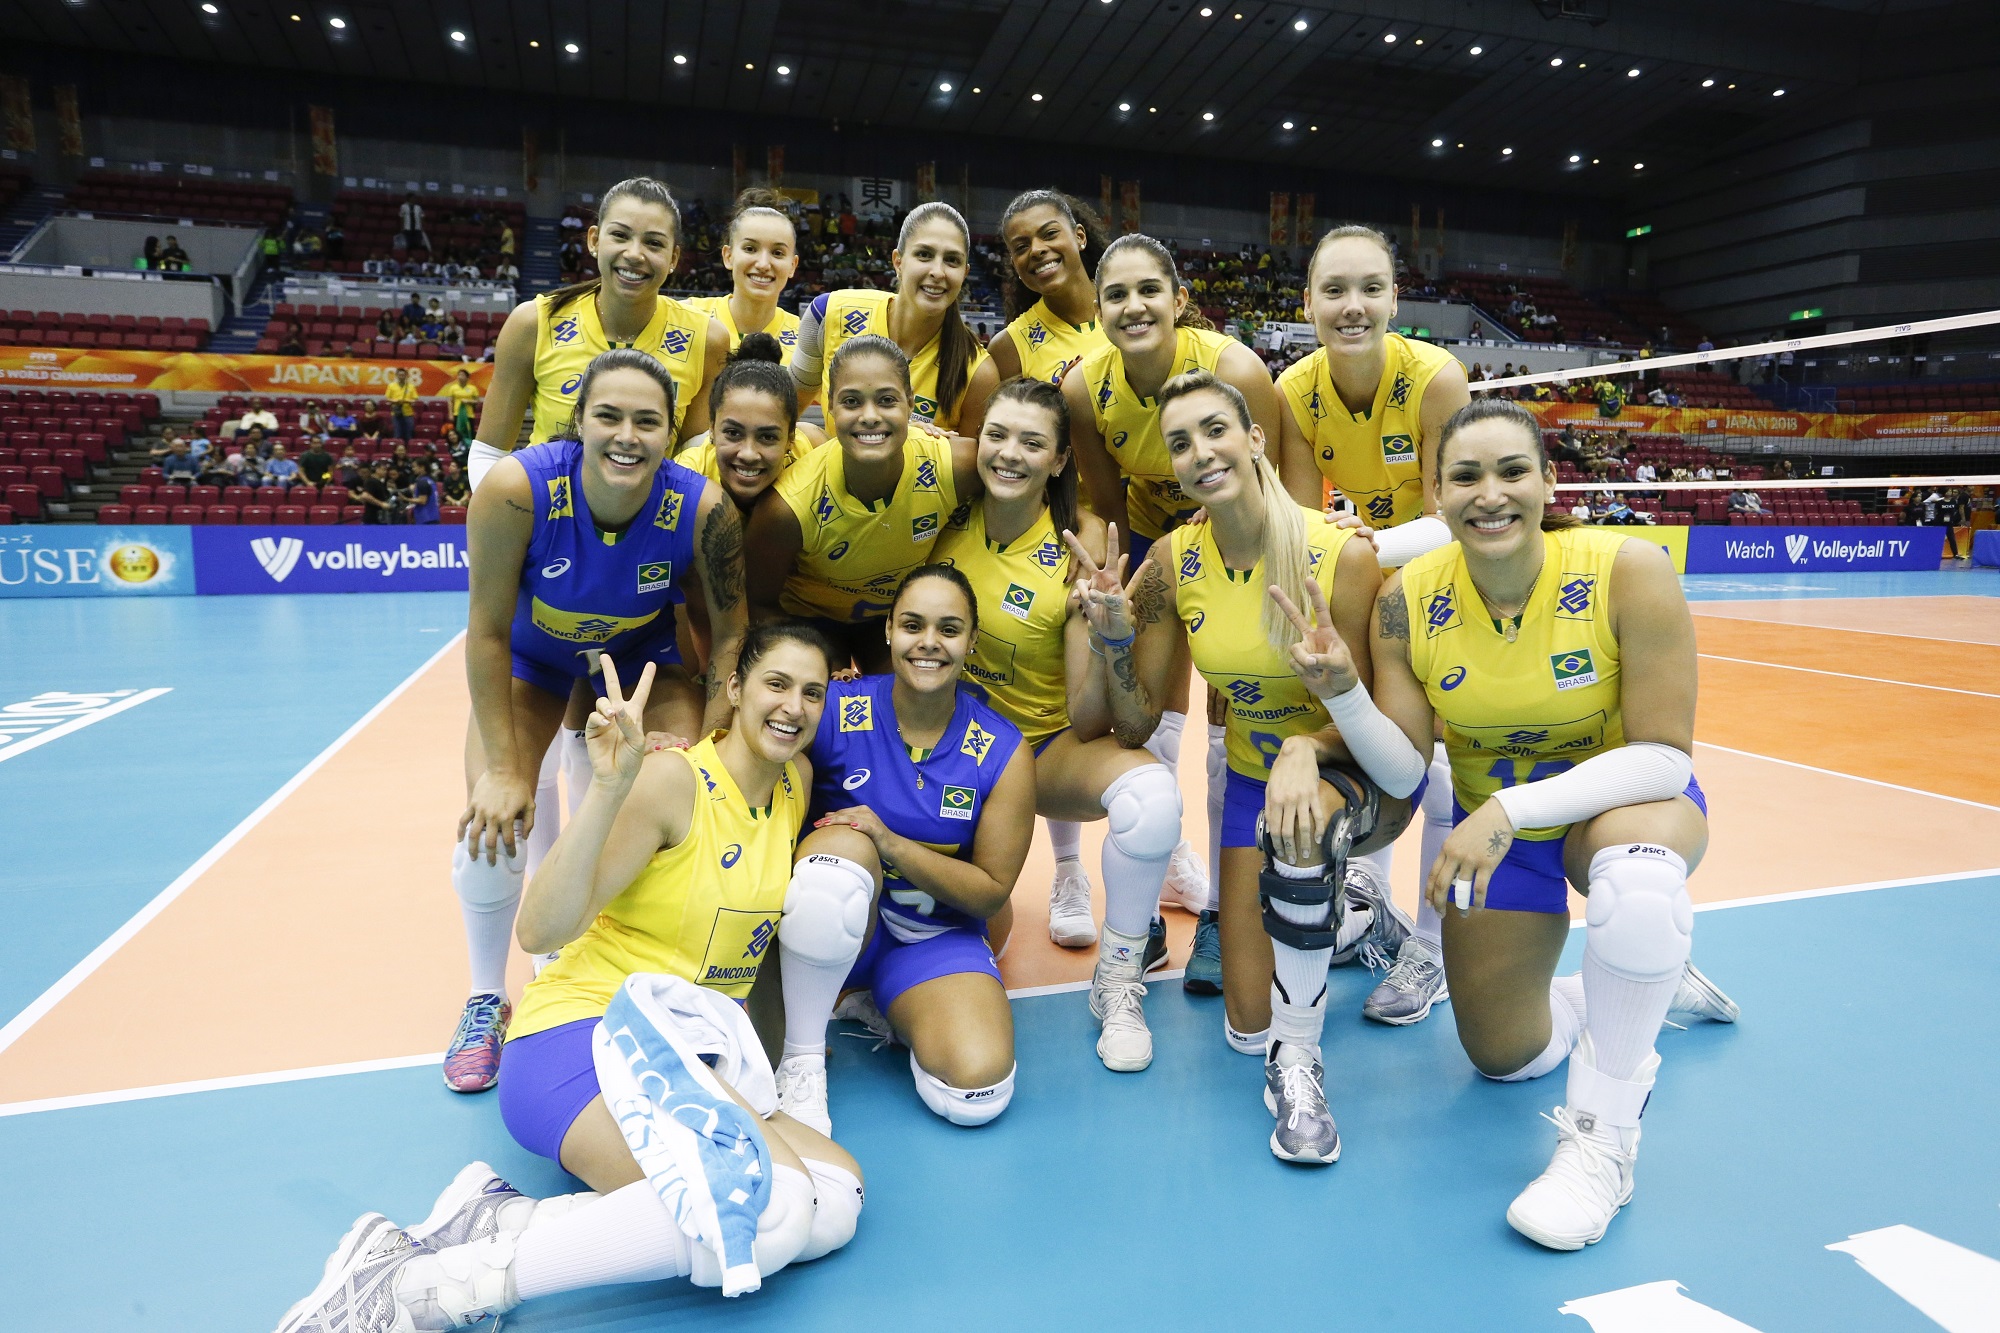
106, 243
113, 294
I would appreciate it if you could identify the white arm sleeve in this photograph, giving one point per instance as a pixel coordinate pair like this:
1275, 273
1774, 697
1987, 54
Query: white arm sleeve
479, 460
1377, 744
1632, 774
808, 356
1398, 546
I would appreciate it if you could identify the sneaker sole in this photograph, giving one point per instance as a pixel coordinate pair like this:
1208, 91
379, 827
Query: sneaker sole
1303, 1159
1072, 941
1553, 1242
1124, 1067
1197, 986
1419, 1016
1720, 1008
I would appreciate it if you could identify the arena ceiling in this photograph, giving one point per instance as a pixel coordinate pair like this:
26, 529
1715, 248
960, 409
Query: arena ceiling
1569, 95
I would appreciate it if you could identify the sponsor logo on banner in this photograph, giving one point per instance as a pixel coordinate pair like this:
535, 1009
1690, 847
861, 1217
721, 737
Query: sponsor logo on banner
277, 557
57, 560
335, 559
1719, 550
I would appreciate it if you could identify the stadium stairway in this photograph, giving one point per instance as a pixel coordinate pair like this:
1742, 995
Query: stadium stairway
27, 213
539, 270
240, 331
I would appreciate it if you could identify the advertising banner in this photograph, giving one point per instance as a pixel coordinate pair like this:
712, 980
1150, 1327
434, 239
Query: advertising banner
17, 114
430, 558
325, 144
1281, 217
1308, 205
1719, 550
1641, 420
85, 368
69, 123
69, 560
1128, 205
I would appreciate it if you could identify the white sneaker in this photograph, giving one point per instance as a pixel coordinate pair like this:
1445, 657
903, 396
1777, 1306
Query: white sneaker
357, 1289
1186, 884
1590, 1178
1126, 1044
802, 1091
1701, 997
1070, 923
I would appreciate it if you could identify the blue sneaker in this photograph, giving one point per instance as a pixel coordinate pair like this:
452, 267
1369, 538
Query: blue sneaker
1156, 945
472, 1061
1204, 965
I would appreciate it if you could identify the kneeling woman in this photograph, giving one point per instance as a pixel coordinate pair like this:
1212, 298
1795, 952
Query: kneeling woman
1561, 660
1294, 807
674, 863
924, 799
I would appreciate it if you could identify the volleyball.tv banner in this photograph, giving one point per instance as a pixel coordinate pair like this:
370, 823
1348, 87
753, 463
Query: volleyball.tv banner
1715, 550
278, 376
430, 558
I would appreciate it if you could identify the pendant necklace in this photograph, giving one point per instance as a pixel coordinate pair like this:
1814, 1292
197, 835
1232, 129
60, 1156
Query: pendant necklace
1510, 628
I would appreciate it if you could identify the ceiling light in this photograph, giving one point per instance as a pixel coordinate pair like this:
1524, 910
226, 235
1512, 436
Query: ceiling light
976, 90
1437, 143
785, 71
456, 35
1299, 25
571, 47
1124, 106
1461, 145
1389, 37
297, 19
1477, 51
1593, 161
748, 65
944, 87
1420, 41
1239, 18
537, 45
1708, 83
1208, 115
1034, 97
1287, 125
1575, 157
1632, 73
336, 23
1152, 109
678, 60
1581, 65
1506, 152
210, 9
1556, 62
1315, 129
1638, 166
1777, 92
1206, 12
1732, 85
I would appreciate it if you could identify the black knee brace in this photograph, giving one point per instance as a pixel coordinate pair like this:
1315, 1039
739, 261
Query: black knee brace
1356, 815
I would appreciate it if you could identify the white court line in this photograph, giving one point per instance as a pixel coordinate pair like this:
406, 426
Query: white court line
1837, 629
1064, 988
79, 722
1846, 675
1852, 777
97, 957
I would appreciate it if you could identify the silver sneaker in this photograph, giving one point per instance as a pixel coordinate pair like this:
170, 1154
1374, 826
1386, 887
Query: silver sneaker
1703, 998
357, 1290
1413, 985
1126, 1043
1296, 1095
1376, 944
469, 1210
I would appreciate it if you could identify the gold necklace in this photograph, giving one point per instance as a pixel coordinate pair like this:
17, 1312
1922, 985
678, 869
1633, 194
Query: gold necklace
1512, 628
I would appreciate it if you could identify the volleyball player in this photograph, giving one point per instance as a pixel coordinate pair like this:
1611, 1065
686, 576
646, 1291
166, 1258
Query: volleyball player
1294, 805
1153, 333
1365, 413
675, 862
834, 537
923, 803
760, 249
1561, 660
1032, 655
921, 317
754, 431
579, 546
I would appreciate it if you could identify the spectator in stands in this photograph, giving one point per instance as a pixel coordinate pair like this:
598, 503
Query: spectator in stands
149, 257
1581, 509
215, 471
372, 491
294, 341
179, 462
402, 396
507, 272
312, 421
1645, 472
316, 463
340, 422
1704, 473
412, 217
336, 241
369, 426
413, 311
387, 327
1745, 502
1617, 511
168, 438
463, 397
422, 493
506, 241
453, 484
453, 337
173, 259
280, 470
247, 448
347, 472
257, 415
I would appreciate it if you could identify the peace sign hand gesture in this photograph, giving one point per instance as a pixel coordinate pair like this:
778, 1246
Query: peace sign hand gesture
1320, 656
1104, 595
615, 735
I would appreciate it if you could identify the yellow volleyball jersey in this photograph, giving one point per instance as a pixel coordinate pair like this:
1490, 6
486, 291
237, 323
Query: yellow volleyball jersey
858, 310
1223, 610
1527, 710
1130, 425
852, 555
706, 908
784, 325
1024, 606
567, 340
701, 458
1371, 456
1049, 345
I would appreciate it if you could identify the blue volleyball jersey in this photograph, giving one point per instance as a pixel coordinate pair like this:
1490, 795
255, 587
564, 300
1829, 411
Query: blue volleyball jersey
859, 758
584, 591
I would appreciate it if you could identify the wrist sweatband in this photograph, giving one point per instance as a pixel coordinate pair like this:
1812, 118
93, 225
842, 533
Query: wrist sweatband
1632, 774
479, 460
1400, 545
1125, 642
1377, 744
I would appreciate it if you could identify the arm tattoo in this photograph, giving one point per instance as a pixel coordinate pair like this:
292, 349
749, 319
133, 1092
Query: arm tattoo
521, 507
722, 554
1496, 843
1123, 668
1149, 603
1393, 616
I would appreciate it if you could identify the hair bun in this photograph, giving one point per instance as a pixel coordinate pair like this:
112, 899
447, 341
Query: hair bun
758, 347
759, 196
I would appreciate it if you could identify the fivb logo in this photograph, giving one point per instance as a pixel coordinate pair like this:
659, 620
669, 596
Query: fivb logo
277, 555
1795, 547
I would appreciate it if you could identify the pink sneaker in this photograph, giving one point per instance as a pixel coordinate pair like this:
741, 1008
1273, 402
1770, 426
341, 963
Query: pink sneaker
472, 1061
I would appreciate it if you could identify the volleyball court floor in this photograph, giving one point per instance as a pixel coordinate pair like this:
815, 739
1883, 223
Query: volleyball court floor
232, 955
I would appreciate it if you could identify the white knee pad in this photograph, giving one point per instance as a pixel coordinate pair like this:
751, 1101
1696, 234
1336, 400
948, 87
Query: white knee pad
826, 910
1144, 809
962, 1106
1640, 920
837, 1200
782, 1229
483, 887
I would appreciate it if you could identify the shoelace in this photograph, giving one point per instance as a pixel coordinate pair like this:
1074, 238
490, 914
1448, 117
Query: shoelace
479, 1021
1301, 1091
1208, 941
804, 1084
1413, 971
1582, 1172
869, 1017
1123, 1003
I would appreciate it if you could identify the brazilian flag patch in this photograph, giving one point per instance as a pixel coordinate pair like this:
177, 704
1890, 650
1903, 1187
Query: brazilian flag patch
656, 575
1399, 449
923, 527
956, 803
1573, 669
1017, 601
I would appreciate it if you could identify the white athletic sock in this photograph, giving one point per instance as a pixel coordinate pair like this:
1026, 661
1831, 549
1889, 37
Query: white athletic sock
1624, 1016
1131, 888
488, 898
1066, 841
1166, 741
575, 766
626, 1236
1218, 783
812, 989
548, 810
1298, 988
1436, 828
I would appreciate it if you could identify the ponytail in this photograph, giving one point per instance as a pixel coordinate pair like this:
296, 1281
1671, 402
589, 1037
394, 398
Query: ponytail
958, 345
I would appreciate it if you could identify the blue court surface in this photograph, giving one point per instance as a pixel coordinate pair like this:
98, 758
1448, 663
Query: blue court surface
1858, 1097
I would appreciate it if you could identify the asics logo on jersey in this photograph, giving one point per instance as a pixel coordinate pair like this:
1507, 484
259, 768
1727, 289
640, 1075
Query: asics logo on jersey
856, 778
569, 385
1382, 508
1452, 679
1056, 375
1196, 623
565, 331
854, 323
926, 475
1573, 597
557, 569
1245, 691
1440, 612
857, 713
674, 342
732, 854
1190, 564
559, 501
1399, 392
976, 743
839, 550
1118, 440
760, 940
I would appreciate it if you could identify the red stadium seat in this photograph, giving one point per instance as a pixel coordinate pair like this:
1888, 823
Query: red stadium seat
115, 514
284, 514
48, 480
324, 514
452, 515
204, 495
25, 501
188, 514
150, 513
135, 495
220, 514
6, 515
72, 463
237, 495
352, 513
169, 493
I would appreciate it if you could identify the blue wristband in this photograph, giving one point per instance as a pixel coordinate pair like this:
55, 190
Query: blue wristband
1125, 642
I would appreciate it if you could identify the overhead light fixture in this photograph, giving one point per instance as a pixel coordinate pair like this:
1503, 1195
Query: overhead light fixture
1555, 62
1152, 110
1594, 161
1476, 51
1632, 73
1732, 85
571, 47
456, 35
1419, 41
1287, 125
1708, 83
784, 71
1638, 166
336, 23
1315, 129
1777, 92
1207, 13
1299, 25
1124, 106
1034, 97
748, 65
1437, 143
210, 9
1506, 152
978, 90
1208, 115
1581, 65
678, 60
944, 87
297, 19
1575, 158
1389, 37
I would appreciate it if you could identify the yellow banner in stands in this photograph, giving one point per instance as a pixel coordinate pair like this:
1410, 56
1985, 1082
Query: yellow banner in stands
1643, 420
84, 368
